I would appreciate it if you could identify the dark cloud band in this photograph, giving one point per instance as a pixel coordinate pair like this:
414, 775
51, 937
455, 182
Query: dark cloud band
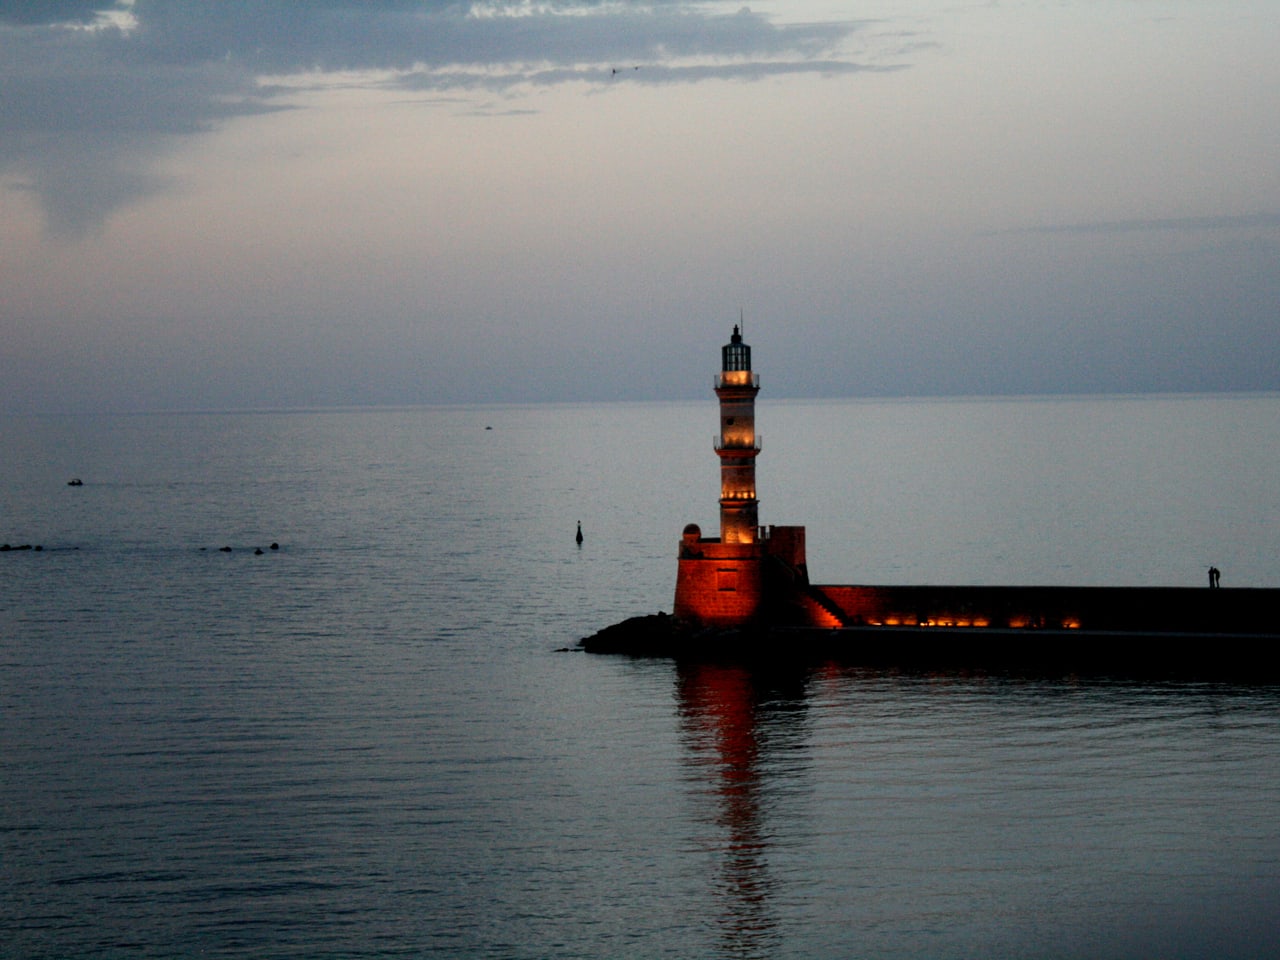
93, 90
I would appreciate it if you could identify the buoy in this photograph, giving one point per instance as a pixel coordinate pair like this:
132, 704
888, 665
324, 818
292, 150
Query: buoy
579, 536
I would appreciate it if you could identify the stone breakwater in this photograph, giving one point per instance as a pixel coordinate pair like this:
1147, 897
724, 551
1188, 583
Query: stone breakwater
1235, 644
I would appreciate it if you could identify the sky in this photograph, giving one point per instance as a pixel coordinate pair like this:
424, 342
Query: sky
254, 204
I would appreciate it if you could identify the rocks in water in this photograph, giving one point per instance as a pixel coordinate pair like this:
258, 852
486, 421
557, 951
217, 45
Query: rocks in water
37, 548
656, 635
257, 551
662, 635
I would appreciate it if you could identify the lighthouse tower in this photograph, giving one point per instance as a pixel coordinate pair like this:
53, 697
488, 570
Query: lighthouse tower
748, 573
720, 581
737, 445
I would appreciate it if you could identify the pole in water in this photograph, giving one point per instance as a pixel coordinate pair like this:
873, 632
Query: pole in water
579, 536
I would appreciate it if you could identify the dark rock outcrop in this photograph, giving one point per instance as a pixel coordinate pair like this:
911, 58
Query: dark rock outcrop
654, 635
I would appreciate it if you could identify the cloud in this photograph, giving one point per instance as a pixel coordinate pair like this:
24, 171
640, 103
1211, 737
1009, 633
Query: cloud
94, 92
1220, 222
49, 11
649, 74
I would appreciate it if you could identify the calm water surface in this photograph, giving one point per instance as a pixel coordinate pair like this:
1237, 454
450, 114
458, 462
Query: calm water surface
365, 744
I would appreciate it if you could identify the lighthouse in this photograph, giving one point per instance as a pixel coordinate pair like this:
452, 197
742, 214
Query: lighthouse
749, 572
738, 444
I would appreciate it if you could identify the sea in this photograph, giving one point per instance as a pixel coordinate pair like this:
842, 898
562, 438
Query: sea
375, 738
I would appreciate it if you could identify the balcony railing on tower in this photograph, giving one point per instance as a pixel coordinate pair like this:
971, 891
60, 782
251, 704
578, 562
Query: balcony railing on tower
737, 378
733, 443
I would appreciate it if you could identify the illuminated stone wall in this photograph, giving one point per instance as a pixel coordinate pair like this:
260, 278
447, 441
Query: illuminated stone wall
718, 584
1131, 609
735, 584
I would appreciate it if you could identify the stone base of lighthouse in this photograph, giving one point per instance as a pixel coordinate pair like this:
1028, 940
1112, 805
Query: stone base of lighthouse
739, 584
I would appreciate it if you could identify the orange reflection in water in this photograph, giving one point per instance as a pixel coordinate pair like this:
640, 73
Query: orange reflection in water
728, 723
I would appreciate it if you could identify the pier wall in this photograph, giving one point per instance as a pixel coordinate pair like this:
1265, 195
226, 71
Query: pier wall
1126, 609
